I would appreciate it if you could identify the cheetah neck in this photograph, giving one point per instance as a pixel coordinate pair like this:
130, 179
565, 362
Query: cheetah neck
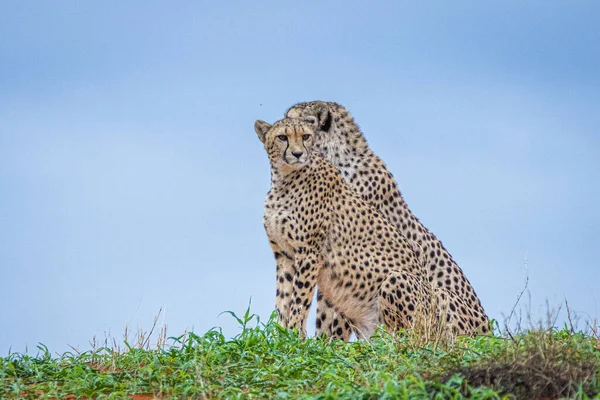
281, 174
345, 147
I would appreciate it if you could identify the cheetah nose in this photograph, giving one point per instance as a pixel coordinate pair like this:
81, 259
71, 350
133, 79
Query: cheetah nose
297, 154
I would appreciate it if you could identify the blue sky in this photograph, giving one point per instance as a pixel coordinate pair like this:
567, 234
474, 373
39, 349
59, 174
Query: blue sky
131, 178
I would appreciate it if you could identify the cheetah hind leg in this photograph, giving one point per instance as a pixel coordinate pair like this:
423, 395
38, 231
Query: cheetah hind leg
403, 297
331, 324
462, 316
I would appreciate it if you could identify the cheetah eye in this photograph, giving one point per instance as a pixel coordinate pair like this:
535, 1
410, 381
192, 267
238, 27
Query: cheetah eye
283, 138
305, 137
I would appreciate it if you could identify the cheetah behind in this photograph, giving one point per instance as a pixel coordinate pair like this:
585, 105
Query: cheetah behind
340, 141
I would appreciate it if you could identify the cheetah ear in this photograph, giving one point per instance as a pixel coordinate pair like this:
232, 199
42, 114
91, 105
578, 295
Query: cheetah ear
261, 128
323, 117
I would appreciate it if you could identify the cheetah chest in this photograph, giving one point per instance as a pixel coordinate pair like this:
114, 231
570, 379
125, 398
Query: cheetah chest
277, 220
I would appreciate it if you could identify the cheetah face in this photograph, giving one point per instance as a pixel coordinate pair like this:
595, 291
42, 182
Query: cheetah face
288, 142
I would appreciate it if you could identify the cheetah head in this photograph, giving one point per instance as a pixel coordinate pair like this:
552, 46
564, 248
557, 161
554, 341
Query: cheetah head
318, 109
288, 142
327, 141
336, 132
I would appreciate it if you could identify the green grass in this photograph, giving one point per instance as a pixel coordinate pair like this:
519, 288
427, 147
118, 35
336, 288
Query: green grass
267, 361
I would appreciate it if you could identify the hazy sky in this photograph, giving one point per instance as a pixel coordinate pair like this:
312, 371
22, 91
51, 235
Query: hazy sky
131, 177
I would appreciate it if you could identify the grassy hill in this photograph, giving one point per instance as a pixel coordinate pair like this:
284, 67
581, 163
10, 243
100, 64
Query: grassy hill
267, 361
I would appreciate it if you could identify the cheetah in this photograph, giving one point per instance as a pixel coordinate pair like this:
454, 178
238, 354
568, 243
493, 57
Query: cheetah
323, 233
340, 141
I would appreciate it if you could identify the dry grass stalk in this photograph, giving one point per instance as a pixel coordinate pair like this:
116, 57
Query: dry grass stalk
539, 366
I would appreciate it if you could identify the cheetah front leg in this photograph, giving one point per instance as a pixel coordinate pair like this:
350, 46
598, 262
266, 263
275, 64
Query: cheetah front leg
330, 323
285, 277
306, 266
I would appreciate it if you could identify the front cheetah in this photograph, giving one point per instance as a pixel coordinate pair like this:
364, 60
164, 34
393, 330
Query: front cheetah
340, 141
322, 233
